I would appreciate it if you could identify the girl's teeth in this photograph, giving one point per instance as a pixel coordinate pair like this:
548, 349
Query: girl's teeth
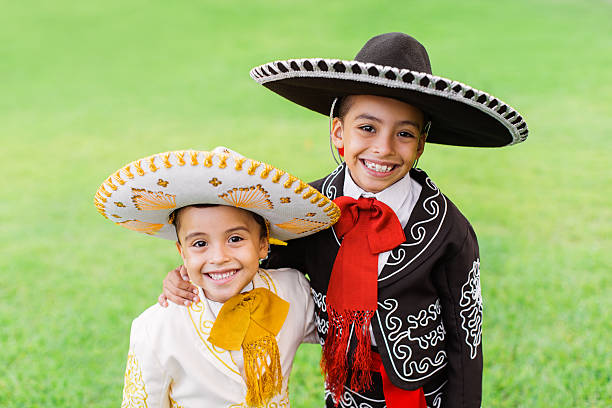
377, 167
219, 276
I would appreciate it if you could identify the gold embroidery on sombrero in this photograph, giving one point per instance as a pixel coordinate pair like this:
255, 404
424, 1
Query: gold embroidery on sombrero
194, 158
277, 176
116, 216
222, 161
300, 226
118, 179
202, 328
119, 204
248, 197
310, 214
134, 393
266, 171
146, 200
166, 160
215, 182
109, 182
300, 188
208, 159
127, 172
152, 166
138, 168
162, 183
100, 206
290, 180
141, 226
285, 200
254, 165
179, 158
239, 161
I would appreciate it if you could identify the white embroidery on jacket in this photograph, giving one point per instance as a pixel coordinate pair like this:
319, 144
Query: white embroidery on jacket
353, 399
437, 399
422, 319
393, 334
418, 231
320, 300
331, 191
471, 309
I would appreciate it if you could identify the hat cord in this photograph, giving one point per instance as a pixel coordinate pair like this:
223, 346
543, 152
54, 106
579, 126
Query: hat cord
338, 160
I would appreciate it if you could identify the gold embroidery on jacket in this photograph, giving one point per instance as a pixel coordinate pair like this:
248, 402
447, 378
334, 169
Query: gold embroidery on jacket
134, 393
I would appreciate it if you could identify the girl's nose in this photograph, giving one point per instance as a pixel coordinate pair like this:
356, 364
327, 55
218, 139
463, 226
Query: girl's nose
217, 254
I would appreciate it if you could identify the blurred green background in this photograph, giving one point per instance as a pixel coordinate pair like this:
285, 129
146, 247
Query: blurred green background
86, 87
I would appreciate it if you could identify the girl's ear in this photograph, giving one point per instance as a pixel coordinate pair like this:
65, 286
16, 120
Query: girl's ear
180, 250
264, 247
336, 133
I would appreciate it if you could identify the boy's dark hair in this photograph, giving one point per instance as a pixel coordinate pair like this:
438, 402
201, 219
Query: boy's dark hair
174, 219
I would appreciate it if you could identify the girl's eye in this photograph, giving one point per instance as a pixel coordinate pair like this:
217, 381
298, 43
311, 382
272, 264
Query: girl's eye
199, 244
235, 239
367, 128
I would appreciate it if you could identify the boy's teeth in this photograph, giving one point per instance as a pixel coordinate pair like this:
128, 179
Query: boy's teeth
377, 167
219, 276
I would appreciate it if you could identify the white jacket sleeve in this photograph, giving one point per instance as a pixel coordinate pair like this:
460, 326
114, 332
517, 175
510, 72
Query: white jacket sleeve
145, 383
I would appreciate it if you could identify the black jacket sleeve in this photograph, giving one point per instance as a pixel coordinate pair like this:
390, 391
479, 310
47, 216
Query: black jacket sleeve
458, 280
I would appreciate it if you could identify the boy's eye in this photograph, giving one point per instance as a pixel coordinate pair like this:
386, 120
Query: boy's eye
405, 134
235, 238
367, 128
199, 244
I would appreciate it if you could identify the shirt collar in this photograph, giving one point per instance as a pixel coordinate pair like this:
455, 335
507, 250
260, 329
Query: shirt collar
394, 196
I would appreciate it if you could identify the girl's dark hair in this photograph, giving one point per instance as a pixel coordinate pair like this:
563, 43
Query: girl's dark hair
174, 219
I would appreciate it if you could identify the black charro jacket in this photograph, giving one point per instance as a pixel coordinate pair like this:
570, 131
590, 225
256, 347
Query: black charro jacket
428, 322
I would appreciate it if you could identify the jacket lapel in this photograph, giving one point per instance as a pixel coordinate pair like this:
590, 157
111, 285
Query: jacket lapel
423, 230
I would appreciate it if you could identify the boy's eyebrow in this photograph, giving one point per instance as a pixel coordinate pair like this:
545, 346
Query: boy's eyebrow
367, 116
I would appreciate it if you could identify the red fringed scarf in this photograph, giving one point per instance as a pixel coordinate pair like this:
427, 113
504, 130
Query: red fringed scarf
368, 227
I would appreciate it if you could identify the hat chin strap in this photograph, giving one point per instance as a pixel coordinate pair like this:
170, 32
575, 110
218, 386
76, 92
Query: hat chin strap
338, 159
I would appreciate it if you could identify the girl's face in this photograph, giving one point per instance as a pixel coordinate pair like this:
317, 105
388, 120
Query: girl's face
221, 247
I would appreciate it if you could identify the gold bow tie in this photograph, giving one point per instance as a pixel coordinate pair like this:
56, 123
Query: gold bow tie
251, 320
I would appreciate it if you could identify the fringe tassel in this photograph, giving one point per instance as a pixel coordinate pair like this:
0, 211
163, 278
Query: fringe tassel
334, 362
264, 377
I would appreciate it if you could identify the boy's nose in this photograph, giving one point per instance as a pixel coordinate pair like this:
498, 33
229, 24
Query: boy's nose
383, 144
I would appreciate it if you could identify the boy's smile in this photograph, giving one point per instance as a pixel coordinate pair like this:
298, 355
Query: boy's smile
381, 137
221, 247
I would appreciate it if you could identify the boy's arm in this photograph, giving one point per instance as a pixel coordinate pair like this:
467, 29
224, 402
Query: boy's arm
178, 289
145, 383
458, 281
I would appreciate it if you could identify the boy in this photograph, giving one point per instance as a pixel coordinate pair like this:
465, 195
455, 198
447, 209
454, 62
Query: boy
396, 283
236, 346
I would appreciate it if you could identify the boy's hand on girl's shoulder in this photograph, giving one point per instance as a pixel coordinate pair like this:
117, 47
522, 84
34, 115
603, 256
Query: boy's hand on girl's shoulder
177, 289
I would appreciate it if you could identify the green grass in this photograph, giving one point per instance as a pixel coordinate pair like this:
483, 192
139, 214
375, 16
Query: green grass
86, 87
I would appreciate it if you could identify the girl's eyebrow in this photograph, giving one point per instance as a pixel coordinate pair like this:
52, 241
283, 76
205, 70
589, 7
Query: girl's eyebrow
235, 229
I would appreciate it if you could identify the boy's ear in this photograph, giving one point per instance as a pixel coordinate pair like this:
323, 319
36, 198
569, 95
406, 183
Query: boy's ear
421, 146
336, 133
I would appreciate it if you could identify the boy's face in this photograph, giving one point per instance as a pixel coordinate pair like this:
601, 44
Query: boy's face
221, 247
381, 137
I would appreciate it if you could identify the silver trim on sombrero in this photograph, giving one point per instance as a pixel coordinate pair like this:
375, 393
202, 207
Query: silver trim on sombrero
393, 77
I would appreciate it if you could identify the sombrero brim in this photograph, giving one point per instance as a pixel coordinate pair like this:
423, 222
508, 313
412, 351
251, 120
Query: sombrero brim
141, 195
461, 115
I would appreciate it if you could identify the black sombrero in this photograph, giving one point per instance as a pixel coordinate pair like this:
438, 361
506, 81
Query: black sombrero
396, 65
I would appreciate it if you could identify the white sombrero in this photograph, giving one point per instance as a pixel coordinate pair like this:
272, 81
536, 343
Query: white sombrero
141, 195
